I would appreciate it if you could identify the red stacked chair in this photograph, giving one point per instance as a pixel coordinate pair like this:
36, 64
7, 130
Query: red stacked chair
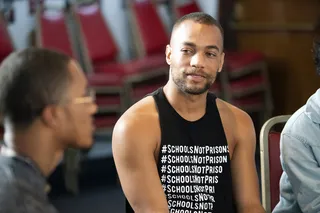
181, 9
148, 29
52, 21
6, 47
245, 80
53, 32
101, 51
271, 169
149, 38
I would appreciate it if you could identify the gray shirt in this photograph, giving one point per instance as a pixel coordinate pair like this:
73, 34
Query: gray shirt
22, 187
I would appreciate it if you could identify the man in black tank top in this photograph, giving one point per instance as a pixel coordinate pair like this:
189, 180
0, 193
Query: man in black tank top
181, 149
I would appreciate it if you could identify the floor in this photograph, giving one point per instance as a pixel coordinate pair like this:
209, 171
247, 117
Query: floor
99, 190
97, 200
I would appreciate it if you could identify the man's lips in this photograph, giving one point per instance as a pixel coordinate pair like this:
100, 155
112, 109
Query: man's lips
195, 77
198, 75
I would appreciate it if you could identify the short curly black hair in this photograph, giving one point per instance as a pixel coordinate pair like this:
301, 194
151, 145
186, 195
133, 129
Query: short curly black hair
316, 54
30, 80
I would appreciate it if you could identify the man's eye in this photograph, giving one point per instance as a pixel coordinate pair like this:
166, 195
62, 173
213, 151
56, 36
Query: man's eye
186, 51
211, 54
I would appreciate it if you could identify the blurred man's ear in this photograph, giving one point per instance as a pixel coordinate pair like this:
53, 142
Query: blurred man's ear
168, 54
51, 115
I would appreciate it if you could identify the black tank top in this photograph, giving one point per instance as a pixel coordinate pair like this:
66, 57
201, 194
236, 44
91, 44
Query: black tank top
194, 163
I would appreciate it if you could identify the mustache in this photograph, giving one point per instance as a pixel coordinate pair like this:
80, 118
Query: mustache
198, 72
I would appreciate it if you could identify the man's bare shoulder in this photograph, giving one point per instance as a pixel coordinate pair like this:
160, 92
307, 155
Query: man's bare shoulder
142, 117
232, 112
234, 117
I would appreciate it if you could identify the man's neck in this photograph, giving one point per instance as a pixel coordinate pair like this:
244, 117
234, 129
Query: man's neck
190, 107
35, 147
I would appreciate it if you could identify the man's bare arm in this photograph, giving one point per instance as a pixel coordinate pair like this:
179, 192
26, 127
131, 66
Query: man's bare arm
245, 179
134, 145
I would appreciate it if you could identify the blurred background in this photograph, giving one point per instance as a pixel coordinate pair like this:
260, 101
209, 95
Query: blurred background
120, 45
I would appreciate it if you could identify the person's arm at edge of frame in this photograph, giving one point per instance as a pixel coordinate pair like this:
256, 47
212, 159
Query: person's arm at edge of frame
133, 151
302, 168
243, 168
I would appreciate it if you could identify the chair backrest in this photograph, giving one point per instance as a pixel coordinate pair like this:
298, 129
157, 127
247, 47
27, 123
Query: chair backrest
147, 27
271, 169
94, 34
186, 8
52, 31
6, 46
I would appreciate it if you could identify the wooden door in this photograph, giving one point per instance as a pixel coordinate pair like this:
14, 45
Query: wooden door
283, 30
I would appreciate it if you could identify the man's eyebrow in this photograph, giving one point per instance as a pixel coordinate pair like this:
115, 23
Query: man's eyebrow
191, 44
213, 47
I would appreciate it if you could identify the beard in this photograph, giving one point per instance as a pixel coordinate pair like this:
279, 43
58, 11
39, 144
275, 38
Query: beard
180, 79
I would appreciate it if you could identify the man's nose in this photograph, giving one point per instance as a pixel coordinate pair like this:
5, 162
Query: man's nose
197, 60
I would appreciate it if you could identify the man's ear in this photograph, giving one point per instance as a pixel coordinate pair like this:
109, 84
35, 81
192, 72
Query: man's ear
221, 61
50, 116
168, 54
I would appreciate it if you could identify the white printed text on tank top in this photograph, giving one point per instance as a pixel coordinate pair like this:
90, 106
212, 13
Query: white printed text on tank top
189, 175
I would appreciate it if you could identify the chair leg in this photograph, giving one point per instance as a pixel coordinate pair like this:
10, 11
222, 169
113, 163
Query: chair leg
128, 94
225, 90
124, 100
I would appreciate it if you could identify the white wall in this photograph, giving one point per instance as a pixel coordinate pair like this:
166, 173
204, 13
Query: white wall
111, 9
23, 24
209, 6
116, 19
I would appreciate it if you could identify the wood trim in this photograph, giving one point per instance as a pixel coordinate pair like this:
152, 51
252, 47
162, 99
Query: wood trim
225, 16
277, 27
